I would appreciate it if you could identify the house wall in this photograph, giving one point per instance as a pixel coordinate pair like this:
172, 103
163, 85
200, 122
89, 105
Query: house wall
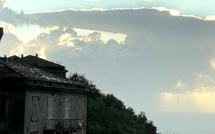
14, 121
53, 108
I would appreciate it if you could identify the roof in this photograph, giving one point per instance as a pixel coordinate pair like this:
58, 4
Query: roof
26, 71
34, 60
7, 72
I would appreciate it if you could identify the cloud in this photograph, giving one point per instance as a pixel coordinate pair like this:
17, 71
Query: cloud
71, 31
42, 52
197, 96
10, 16
2, 2
136, 41
66, 39
171, 11
95, 37
117, 48
8, 43
199, 100
48, 30
210, 18
18, 50
156, 27
212, 62
180, 85
67, 42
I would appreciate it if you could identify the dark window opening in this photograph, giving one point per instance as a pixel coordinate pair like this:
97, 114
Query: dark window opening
66, 132
80, 108
59, 132
49, 131
35, 132
3, 107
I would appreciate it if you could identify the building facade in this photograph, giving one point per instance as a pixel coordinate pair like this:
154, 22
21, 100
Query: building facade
34, 99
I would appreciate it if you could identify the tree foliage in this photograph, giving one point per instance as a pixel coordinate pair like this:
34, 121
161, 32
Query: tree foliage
108, 115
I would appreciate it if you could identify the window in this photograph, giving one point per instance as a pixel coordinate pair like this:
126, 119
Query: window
80, 108
35, 132
3, 107
66, 116
50, 108
35, 109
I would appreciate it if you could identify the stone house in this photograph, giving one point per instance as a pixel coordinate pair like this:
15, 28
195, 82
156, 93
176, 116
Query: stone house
37, 98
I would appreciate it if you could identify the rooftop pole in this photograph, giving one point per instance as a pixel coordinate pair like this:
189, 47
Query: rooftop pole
1, 34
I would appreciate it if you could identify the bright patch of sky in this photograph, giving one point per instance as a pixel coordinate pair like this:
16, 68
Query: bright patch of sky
26, 33
191, 7
105, 36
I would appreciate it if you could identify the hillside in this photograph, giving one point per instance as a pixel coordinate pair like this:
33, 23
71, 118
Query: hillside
108, 115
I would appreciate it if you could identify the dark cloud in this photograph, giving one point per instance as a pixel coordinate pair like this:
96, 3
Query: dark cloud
124, 21
12, 17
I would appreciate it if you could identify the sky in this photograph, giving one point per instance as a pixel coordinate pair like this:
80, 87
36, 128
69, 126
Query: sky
157, 56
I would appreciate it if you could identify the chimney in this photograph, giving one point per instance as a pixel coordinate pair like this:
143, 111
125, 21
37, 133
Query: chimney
36, 55
1, 33
3, 59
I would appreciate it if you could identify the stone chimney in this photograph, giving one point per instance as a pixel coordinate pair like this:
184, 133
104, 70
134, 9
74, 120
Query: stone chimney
1, 33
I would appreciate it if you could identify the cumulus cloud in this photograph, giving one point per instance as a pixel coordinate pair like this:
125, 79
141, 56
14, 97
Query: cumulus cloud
67, 42
66, 39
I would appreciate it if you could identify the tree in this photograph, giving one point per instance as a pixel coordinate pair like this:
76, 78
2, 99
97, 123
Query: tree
108, 115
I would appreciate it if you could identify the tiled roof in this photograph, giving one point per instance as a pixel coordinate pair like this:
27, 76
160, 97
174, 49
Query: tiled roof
34, 60
7, 72
18, 70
